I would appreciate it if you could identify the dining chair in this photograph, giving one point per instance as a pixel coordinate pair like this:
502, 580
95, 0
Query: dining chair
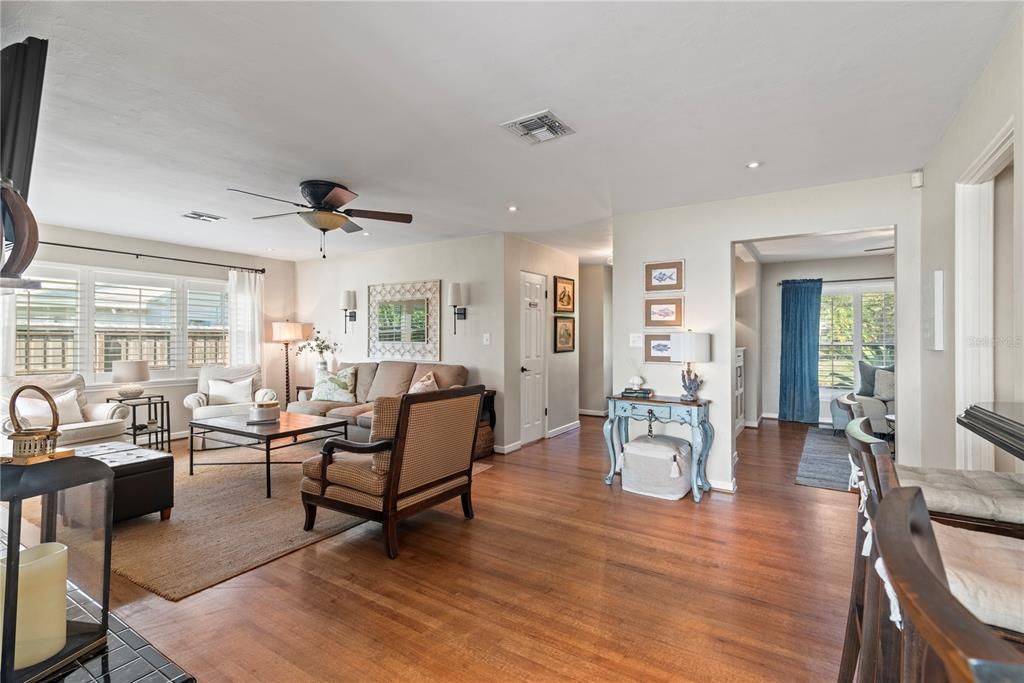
949, 642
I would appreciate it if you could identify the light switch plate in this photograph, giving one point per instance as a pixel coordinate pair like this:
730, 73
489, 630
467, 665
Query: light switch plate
636, 341
487, 338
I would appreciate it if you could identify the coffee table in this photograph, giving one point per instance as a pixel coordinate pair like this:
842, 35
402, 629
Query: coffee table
291, 425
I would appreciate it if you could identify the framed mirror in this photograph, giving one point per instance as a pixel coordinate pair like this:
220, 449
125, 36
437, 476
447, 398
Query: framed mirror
403, 321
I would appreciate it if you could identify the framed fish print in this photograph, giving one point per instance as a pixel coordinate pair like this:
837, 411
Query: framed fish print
657, 348
663, 312
565, 295
664, 276
565, 335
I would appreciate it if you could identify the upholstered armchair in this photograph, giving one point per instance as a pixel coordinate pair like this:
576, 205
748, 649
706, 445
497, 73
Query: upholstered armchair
101, 421
420, 454
201, 404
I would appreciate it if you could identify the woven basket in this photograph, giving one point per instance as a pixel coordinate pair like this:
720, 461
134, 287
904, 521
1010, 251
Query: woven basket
32, 442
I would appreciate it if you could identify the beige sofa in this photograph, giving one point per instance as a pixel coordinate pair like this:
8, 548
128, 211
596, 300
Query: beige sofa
374, 380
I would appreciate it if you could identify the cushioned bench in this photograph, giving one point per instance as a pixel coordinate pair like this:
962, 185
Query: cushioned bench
969, 493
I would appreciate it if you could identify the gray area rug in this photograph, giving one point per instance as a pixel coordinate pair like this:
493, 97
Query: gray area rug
825, 462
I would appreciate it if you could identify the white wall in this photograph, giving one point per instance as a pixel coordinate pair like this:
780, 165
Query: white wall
562, 368
593, 338
748, 334
278, 298
703, 235
771, 307
995, 99
475, 262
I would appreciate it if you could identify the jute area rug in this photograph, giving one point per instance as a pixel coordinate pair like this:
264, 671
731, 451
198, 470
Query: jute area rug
222, 524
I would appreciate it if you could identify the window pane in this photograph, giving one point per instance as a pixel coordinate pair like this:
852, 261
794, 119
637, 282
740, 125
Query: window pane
46, 328
835, 342
207, 342
878, 318
134, 322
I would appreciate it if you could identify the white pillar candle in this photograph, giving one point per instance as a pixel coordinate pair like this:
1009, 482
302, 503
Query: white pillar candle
42, 609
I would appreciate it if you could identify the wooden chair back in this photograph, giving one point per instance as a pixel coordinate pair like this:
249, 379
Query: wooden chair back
955, 646
851, 406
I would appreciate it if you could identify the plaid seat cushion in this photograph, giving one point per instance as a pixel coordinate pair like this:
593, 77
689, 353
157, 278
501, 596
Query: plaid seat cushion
349, 469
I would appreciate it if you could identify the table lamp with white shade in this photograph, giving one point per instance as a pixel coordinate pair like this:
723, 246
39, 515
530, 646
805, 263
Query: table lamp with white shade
691, 347
130, 373
285, 333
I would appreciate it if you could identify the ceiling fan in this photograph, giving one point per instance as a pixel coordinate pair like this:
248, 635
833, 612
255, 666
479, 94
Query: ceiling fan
323, 210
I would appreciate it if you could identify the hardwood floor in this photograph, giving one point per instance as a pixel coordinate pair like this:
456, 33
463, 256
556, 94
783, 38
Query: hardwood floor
558, 577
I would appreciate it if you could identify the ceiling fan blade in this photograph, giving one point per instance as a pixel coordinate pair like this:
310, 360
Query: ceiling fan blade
881, 248
304, 206
379, 215
339, 197
278, 215
351, 227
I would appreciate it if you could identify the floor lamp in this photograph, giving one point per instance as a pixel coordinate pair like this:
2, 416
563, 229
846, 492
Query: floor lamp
286, 333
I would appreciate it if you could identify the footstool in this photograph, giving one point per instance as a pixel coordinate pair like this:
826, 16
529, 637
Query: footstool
143, 478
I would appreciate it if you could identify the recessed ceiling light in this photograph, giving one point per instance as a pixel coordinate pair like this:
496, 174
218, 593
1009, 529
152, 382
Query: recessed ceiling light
754, 164
513, 208
366, 234
270, 249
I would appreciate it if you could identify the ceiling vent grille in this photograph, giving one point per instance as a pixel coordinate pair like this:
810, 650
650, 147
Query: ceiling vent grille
201, 216
536, 128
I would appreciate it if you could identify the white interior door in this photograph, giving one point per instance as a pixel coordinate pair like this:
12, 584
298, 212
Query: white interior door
531, 356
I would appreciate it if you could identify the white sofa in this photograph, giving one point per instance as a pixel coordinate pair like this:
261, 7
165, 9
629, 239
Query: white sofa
103, 421
875, 409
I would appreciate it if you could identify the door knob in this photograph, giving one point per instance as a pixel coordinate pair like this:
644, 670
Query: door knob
523, 369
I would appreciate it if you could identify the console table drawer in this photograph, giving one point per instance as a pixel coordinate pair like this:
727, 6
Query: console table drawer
639, 411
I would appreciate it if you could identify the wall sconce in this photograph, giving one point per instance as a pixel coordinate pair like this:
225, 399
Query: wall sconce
348, 304
458, 305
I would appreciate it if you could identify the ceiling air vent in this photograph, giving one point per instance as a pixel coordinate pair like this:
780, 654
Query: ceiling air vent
539, 127
201, 216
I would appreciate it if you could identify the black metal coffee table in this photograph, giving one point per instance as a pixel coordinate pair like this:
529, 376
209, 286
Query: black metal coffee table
291, 425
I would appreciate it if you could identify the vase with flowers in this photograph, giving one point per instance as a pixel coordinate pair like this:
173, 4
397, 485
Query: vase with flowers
321, 346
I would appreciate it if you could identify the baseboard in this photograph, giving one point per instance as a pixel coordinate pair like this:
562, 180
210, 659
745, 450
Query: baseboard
594, 413
724, 487
574, 425
179, 435
514, 446
754, 424
769, 416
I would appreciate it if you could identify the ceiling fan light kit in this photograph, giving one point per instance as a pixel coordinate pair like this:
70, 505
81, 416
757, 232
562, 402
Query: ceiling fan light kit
323, 211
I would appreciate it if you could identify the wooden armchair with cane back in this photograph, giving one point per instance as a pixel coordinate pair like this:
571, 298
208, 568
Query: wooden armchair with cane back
420, 454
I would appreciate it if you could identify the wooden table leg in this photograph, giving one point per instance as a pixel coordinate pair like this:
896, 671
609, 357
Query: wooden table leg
267, 447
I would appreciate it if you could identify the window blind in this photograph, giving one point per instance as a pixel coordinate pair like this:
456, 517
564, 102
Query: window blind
207, 326
134, 321
46, 328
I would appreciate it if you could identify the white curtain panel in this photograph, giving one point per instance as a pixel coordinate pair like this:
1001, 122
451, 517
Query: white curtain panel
245, 317
8, 304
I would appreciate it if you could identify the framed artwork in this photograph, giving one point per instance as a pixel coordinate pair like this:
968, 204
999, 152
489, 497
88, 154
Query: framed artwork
565, 295
663, 312
657, 348
665, 276
565, 335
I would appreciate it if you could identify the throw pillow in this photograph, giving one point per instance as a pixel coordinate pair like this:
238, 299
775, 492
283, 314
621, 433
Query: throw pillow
383, 428
424, 384
337, 386
36, 411
223, 392
867, 377
885, 385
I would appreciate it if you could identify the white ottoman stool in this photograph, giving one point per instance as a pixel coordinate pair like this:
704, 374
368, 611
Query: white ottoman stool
657, 466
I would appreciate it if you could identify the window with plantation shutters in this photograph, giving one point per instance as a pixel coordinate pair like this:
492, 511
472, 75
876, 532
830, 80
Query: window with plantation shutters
857, 323
206, 325
47, 322
134, 319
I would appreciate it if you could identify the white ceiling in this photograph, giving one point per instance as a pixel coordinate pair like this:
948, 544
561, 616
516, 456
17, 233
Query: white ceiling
153, 109
824, 245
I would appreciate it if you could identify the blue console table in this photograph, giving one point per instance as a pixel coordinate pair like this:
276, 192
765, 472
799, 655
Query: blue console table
661, 409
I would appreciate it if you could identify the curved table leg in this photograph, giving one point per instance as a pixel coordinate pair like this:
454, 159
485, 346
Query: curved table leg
709, 439
697, 448
623, 425
609, 442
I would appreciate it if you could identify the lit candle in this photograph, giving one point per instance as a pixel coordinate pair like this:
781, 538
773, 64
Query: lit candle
42, 608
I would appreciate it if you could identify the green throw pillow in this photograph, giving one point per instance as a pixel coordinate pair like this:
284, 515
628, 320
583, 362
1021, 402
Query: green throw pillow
337, 386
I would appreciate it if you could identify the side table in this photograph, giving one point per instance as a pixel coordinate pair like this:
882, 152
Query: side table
155, 429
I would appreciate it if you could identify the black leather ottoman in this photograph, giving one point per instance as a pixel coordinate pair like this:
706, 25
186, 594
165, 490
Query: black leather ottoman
143, 478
